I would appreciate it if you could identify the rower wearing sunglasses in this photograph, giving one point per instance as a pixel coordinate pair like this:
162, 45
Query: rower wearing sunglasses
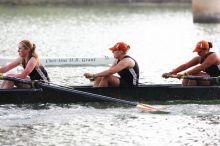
206, 64
125, 66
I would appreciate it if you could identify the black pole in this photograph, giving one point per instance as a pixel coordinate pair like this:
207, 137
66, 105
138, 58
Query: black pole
47, 85
85, 94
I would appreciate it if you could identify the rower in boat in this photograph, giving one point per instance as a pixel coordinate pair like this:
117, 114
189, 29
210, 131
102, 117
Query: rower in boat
29, 59
206, 64
126, 67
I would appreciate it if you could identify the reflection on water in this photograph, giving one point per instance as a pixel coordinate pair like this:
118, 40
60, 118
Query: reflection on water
160, 37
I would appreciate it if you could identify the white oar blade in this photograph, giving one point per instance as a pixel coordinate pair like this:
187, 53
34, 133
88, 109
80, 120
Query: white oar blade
146, 107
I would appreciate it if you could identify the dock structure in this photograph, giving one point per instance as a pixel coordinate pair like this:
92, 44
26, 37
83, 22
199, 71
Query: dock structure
206, 11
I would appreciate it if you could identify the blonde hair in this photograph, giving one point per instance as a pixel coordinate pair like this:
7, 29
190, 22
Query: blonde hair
31, 46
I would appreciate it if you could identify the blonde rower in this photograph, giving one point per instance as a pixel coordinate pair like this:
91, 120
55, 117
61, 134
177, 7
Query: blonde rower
28, 58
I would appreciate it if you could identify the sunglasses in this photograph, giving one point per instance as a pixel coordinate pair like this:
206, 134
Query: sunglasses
202, 49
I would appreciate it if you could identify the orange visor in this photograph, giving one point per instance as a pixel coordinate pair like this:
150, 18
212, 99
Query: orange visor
202, 45
120, 46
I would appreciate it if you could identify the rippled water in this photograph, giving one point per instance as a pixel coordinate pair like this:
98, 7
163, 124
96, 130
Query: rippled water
160, 36
189, 124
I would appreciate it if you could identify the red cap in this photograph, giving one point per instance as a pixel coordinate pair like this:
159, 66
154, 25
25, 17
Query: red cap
120, 46
201, 46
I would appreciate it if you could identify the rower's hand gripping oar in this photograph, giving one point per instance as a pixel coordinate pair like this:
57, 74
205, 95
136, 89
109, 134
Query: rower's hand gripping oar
144, 107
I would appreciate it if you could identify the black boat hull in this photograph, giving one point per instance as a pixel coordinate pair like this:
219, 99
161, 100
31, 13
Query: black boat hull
143, 93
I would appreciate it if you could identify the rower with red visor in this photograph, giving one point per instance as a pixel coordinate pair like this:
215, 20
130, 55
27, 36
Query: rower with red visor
124, 65
206, 64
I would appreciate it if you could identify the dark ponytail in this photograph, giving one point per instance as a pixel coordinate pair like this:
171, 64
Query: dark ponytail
210, 44
33, 53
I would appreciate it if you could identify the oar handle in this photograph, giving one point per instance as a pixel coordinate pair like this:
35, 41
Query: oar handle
34, 84
92, 79
175, 76
1, 76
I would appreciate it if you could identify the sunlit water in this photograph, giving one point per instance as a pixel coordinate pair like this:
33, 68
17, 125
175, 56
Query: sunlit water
160, 36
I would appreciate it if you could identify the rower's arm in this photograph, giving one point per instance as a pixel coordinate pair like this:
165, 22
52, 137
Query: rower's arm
211, 60
114, 63
187, 65
125, 63
28, 69
10, 66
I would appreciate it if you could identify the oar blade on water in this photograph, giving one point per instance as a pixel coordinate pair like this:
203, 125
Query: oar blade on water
146, 107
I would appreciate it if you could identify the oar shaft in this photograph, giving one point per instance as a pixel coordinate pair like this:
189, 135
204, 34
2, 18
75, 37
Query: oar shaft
200, 78
191, 77
87, 94
47, 85
29, 82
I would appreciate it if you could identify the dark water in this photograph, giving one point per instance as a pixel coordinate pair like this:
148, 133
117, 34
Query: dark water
161, 37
